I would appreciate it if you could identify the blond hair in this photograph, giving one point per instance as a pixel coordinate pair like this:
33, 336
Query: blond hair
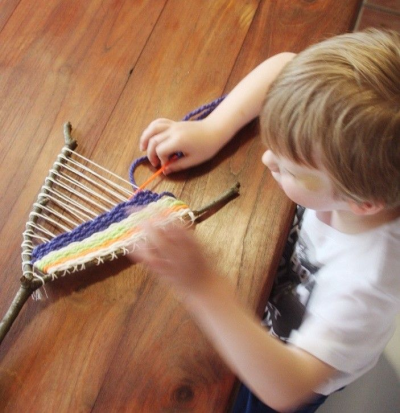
341, 97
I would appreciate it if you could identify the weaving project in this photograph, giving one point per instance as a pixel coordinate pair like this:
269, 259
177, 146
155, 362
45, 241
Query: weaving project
85, 215
113, 232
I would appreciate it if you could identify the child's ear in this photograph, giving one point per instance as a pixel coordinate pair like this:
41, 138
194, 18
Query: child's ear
365, 208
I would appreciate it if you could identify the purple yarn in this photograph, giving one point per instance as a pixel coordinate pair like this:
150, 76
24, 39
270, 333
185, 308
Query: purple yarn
101, 222
133, 167
203, 111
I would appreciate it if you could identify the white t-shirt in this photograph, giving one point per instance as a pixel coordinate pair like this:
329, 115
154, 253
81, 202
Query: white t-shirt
349, 317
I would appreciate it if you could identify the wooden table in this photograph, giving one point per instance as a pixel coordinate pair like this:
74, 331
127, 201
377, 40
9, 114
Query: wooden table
113, 339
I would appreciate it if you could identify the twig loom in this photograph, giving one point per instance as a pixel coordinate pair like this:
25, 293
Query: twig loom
85, 215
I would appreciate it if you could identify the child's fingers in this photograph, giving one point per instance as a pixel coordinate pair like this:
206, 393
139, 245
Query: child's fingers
161, 252
170, 241
151, 258
166, 149
153, 148
163, 241
154, 128
174, 145
174, 254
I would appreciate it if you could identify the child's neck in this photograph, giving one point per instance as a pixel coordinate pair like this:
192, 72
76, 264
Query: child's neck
350, 223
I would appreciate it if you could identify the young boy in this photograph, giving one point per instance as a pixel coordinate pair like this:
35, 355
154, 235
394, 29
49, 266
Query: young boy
330, 118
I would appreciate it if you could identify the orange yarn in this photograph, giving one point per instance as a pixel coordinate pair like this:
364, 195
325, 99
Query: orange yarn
154, 176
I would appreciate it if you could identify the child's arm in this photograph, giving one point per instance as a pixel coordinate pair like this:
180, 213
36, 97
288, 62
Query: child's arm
283, 376
200, 140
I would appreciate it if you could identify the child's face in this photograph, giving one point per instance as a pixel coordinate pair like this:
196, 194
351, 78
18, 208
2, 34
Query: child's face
309, 187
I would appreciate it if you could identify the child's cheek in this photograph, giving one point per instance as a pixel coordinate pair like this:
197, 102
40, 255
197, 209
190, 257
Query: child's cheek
305, 192
312, 183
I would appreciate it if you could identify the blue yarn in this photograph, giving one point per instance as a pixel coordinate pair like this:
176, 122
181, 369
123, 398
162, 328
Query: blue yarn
133, 167
203, 111
101, 222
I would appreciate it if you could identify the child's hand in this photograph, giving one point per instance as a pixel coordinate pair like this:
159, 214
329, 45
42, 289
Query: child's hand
175, 255
195, 139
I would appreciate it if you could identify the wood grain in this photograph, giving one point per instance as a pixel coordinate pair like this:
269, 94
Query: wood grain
380, 19
112, 338
7, 9
390, 5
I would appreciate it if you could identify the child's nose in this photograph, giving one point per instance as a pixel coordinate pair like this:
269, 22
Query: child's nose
270, 161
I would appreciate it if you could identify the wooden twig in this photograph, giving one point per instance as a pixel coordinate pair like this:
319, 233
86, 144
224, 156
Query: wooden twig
29, 284
218, 202
20, 299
